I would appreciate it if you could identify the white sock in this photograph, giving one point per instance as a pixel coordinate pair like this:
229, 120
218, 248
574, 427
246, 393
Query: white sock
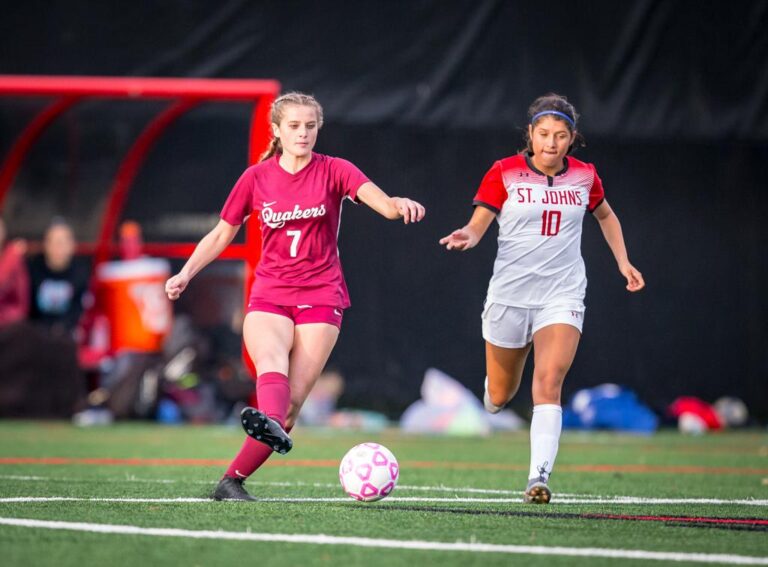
546, 425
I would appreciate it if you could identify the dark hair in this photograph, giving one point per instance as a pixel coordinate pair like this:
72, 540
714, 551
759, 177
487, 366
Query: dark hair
276, 116
555, 103
56, 222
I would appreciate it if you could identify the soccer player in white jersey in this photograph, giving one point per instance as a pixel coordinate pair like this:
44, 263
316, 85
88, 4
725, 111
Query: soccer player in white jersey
536, 294
298, 298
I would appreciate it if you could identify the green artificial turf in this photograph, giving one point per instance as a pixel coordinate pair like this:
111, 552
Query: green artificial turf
146, 461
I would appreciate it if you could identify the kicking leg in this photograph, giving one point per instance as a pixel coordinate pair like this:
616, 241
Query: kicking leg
269, 339
504, 367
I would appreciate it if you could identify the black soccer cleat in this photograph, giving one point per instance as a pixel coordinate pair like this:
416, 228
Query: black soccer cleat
265, 430
231, 489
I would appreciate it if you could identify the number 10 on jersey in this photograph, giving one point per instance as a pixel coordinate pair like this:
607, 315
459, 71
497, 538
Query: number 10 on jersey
550, 223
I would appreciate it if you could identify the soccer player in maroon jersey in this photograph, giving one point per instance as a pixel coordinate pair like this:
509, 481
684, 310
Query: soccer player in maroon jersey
299, 295
536, 294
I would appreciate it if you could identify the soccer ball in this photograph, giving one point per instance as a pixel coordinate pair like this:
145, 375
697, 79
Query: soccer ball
369, 472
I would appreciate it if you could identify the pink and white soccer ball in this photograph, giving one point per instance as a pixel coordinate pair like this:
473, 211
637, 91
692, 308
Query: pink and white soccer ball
369, 472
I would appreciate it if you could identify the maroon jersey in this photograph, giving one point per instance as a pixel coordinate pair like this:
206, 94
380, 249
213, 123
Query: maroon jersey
300, 215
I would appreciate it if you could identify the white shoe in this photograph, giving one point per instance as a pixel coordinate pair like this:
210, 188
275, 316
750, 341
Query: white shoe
93, 416
489, 407
537, 492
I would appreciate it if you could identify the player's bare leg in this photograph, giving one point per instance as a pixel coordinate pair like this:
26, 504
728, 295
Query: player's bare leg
312, 345
268, 338
504, 368
554, 348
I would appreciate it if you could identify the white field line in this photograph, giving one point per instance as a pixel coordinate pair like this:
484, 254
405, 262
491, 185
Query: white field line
559, 497
518, 500
289, 484
441, 488
322, 539
14, 499
641, 500
131, 478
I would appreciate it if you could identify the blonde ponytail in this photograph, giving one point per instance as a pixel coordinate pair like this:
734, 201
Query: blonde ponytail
274, 148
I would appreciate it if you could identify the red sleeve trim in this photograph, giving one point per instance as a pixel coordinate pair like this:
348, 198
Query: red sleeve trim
492, 190
491, 208
593, 209
596, 192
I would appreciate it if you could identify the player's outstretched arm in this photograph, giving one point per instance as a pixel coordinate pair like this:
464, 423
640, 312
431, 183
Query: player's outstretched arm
611, 227
207, 250
468, 236
392, 208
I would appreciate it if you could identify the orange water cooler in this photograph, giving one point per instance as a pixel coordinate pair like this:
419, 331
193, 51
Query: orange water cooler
131, 294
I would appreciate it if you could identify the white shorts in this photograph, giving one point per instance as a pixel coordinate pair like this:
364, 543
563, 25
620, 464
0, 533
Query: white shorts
514, 327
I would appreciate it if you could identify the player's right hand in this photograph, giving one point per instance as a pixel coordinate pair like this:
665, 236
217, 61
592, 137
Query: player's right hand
175, 285
461, 239
635, 281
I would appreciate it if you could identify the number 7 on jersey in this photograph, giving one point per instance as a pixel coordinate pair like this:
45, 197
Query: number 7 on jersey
296, 235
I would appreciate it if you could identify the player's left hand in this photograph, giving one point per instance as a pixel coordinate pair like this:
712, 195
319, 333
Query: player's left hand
411, 211
635, 281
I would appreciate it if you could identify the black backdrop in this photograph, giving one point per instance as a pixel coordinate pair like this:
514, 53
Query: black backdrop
423, 96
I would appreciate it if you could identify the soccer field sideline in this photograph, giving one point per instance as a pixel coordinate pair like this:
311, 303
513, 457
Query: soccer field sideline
322, 539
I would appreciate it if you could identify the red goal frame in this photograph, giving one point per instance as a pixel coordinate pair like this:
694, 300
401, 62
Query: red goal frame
182, 95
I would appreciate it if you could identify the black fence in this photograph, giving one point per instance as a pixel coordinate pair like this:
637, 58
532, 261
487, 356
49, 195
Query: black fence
423, 97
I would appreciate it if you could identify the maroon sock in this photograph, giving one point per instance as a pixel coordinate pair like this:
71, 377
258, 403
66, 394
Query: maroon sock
274, 398
274, 395
252, 455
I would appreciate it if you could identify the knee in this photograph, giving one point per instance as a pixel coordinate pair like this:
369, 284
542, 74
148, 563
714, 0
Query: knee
500, 396
549, 385
497, 399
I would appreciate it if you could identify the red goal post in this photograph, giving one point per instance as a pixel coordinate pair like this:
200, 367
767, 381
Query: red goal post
182, 95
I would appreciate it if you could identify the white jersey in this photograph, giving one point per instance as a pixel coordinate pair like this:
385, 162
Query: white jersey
540, 218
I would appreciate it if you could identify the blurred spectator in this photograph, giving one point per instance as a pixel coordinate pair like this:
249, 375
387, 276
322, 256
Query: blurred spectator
39, 372
131, 240
14, 280
59, 284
